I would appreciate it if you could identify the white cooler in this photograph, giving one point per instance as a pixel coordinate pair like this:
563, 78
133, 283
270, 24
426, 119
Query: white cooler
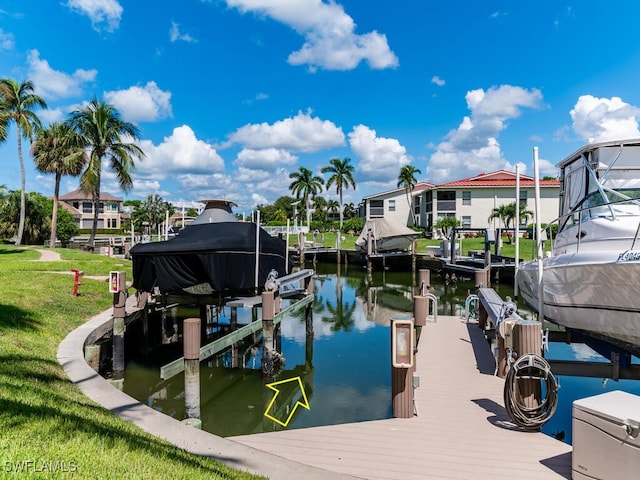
606, 437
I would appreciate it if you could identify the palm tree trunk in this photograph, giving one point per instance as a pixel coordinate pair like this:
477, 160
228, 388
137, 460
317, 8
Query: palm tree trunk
94, 226
23, 201
54, 216
341, 210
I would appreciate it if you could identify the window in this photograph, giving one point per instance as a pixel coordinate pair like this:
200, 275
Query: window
112, 223
416, 205
392, 205
466, 198
112, 207
87, 207
376, 208
523, 196
446, 201
466, 221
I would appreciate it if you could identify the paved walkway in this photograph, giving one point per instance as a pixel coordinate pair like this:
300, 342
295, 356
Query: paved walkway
48, 255
461, 432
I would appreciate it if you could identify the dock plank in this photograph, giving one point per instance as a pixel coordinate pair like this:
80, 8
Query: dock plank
462, 430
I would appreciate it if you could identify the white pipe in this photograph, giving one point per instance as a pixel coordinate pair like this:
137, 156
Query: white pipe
536, 176
257, 248
166, 225
517, 232
286, 251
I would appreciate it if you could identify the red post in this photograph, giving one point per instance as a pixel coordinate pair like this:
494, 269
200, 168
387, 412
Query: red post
76, 281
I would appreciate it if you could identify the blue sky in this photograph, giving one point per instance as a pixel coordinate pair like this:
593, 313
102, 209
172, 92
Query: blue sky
231, 96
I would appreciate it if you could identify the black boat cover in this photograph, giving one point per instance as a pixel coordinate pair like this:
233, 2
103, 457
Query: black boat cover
221, 255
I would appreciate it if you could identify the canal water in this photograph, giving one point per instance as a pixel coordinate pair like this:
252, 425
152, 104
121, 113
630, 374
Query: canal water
342, 371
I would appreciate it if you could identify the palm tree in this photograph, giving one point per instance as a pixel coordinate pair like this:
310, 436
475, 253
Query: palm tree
407, 179
58, 150
349, 210
333, 206
105, 135
156, 209
306, 185
18, 104
501, 213
524, 214
342, 175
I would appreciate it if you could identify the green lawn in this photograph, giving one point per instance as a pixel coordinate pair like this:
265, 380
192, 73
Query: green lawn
45, 420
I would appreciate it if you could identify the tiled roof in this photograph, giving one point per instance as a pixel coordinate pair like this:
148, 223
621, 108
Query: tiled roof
80, 195
499, 178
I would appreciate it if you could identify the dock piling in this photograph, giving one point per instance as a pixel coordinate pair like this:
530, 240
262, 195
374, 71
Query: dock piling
191, 347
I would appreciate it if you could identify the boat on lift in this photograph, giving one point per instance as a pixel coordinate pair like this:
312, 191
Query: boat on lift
591, 278
387, 235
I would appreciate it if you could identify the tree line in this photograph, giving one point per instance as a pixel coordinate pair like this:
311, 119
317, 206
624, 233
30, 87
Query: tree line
77, 146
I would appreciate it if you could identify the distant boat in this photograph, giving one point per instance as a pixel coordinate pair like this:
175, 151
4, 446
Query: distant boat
387, 235
591, 280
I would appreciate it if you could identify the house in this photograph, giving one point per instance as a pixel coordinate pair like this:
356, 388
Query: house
394, 204
470, 200
80, 205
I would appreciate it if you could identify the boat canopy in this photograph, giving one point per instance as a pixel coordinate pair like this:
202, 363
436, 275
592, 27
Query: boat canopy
600, 174
386, 229
207, 258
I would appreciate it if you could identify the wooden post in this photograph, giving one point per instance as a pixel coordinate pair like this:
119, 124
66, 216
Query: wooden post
420, 310
338, 246
402, 385
501, 361
119, 300
424, 280
301, 240
191, 346
527, 339
267, 333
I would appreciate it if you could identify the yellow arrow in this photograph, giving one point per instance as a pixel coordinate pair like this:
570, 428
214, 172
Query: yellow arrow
274, 387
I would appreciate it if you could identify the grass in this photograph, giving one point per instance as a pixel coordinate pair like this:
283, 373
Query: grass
526, 246
46, 423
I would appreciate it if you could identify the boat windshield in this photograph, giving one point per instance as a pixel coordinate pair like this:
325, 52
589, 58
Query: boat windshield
614, 203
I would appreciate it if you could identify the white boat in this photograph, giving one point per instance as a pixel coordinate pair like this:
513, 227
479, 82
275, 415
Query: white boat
591, 279
387, 235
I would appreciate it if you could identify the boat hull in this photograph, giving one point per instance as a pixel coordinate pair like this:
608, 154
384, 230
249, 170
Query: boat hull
598, 292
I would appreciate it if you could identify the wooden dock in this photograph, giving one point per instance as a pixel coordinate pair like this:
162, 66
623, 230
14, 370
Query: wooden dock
461, 431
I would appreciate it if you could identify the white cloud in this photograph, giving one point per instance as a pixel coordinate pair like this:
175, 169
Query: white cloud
473, 147
50, 115
265, 159
246, 187
330, 39
146, 103
175, 35
302, 133
604, 119
7, 41
181, 152
380, 159
104, 14
438, 81
54, 84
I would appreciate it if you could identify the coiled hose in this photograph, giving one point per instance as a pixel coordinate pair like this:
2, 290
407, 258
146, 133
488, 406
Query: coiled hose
532, 367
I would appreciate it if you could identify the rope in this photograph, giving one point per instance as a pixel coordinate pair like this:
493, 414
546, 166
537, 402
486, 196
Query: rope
534, 367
